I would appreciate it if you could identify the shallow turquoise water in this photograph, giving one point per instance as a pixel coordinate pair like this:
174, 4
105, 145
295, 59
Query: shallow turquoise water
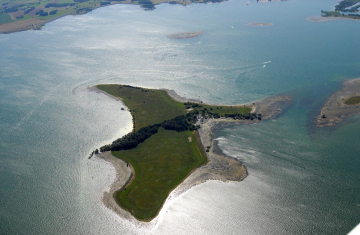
300, 180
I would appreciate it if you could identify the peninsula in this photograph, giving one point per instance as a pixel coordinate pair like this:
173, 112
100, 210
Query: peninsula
343, 104
172, 144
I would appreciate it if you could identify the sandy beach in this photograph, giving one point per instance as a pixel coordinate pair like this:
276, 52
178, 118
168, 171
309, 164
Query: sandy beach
335, 109
219, 167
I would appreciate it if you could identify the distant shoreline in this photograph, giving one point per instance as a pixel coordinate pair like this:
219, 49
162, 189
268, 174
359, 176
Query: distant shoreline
36, 23
219, 167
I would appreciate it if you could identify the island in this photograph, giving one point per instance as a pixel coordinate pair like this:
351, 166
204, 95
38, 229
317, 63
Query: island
342, 104
23, 15
172, 146
259, 24
185, 35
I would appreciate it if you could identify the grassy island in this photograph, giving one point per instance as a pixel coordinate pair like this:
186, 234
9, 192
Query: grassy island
164, 146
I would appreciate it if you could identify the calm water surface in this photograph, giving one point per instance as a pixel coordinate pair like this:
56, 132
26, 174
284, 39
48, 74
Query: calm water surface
301, 180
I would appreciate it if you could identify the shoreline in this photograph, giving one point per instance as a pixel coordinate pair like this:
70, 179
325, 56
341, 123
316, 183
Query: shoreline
36, 23
219, 166
335, 109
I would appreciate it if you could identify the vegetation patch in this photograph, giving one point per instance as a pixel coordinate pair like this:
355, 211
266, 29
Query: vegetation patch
159, 147
353, 100
24, 10
148, 107
161, 163
346, 9
5, 18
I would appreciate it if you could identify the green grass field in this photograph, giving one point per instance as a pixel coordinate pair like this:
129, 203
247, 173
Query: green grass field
155, 106
5, 18
353, 100
161, 163
151, 107
222, 110
164, 160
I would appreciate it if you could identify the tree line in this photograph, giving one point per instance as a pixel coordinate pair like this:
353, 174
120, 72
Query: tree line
59, 5
133, 139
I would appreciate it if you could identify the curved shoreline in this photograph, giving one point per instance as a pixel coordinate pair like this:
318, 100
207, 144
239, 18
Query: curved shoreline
219, 167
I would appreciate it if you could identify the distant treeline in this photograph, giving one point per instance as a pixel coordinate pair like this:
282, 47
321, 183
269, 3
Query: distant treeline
59, 5
214, 1
28, 10
147, 4
84, 10
53, 12
132, 139
41, 13
14, 8
345, 4
192, 105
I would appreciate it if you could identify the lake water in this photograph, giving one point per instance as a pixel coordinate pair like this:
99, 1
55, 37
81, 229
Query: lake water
301, 180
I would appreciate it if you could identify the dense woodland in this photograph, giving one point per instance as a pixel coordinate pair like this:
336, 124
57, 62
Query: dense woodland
345, 8
347, 3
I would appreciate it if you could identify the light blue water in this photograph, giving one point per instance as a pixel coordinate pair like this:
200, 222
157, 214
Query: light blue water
300, 180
